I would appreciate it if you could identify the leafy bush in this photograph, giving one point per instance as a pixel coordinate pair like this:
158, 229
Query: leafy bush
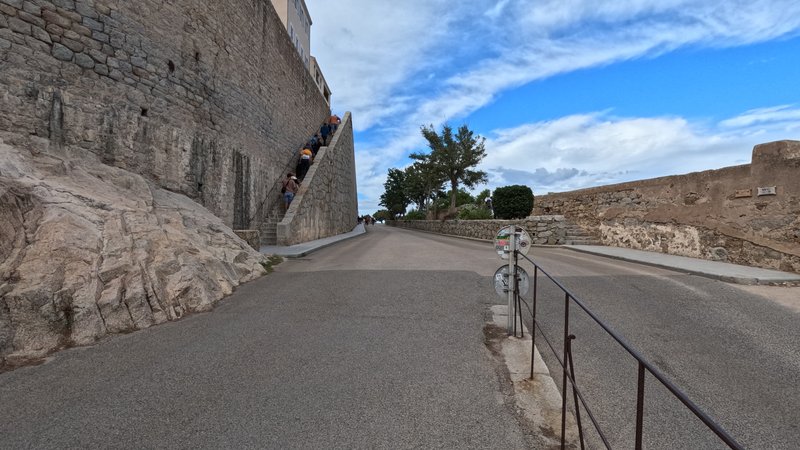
512, 202
474, 212
414, 215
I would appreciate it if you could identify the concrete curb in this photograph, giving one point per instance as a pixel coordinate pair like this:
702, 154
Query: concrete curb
774, 278
306, 248
538, 400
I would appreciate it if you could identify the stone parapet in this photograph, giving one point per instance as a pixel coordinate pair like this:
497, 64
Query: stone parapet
544, 230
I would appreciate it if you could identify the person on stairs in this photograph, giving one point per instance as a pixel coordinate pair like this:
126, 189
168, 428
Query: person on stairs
304, 163
289, 189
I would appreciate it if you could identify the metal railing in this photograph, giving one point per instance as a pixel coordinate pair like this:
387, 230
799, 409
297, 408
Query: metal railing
568, 367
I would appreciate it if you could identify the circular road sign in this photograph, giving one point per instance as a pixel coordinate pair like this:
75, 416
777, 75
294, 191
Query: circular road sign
501, 281
502, 241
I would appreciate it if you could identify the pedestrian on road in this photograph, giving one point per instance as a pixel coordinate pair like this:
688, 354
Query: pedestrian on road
289, 189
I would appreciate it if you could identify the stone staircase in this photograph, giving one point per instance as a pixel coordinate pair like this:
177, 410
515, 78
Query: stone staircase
576, 235
269, 228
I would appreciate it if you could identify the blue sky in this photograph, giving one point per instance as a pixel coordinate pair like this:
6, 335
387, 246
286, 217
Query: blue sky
568, 93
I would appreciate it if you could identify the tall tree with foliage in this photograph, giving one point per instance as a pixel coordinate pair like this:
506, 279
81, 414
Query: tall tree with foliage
455, 156
422, 182
394, 197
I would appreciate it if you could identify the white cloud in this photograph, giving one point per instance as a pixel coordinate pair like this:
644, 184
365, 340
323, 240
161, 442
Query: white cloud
766, 116
397, 65
594, 149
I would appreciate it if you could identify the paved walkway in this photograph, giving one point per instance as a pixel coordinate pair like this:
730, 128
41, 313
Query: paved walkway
300, 250
732, 273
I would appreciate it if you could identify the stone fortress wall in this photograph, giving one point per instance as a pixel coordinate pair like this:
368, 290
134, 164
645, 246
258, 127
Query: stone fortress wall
543, 230
205, 98
715, 214
327, 203
133, 134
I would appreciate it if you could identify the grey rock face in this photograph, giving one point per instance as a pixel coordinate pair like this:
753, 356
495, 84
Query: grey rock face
89, 250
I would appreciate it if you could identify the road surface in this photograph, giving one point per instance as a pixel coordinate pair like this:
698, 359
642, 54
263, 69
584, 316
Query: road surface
376, 342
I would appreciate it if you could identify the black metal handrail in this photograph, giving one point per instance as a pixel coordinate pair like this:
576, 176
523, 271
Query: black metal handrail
568, 375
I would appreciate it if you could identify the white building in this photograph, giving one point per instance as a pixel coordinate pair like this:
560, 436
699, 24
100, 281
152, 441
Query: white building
295, 17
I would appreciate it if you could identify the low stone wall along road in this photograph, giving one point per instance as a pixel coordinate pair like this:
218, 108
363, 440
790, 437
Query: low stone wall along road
377, 342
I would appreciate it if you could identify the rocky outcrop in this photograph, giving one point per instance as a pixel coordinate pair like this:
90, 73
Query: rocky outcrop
88, 250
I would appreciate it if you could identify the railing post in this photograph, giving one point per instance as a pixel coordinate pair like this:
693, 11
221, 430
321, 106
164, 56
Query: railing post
533, 314
517, 299
640, 407
575, 392
564, 377
512, 281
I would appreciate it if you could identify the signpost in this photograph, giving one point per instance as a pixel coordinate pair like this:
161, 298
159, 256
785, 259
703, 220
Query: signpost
511, 281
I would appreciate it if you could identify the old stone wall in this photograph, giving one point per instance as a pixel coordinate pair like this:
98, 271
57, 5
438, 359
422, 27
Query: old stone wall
544, 230
326, 204
715, 214
205, 98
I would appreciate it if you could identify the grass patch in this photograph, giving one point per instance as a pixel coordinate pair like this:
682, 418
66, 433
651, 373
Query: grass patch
271, 262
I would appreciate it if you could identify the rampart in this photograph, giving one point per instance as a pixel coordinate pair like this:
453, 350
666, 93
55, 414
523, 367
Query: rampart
543, 230
327, 203
748, 214
204, 98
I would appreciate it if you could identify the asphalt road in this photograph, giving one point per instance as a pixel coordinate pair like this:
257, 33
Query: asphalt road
366, 344
376, 342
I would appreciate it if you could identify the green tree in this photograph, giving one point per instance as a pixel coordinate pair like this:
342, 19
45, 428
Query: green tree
394, 197
455, 156
480, 200
382, 215
512, 202
422, 182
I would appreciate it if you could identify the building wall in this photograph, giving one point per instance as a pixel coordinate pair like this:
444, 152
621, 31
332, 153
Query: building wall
297, 20
207, 99
319, 78
715, 214
326, 204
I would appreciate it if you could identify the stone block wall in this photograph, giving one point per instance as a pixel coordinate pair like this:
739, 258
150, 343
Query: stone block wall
205, 98
326, 204
544, 230
715, 214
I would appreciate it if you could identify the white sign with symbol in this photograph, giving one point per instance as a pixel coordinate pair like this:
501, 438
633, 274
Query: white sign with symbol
502, 241
501, 281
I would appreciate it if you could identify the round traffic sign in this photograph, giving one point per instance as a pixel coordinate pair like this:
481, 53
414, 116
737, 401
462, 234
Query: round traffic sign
502, 241
501, 281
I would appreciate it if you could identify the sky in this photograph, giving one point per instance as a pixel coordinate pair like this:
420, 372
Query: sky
569, 94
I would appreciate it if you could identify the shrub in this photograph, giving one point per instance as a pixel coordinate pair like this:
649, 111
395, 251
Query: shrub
474, 212
512, 202
414, 215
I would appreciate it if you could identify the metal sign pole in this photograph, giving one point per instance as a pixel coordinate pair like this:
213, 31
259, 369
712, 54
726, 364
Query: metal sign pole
511, 280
